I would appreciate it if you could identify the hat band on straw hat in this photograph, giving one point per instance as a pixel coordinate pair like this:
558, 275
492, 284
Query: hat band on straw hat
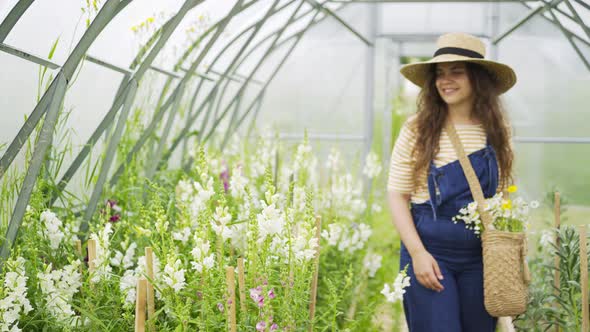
458, 51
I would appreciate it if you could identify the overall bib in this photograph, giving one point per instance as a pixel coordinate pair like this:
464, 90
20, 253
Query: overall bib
457, 250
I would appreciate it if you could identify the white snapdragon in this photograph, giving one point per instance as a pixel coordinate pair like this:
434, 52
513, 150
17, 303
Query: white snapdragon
402, 281
184, 190
345, 239
271, 220
238, 182
372, 263
299, 198
52, 228
124, 260
203, 259
128, 285
59, 287
174, 276
345, 197
102, 260
201, 196
302, 157
372, 165
333, 162
183, 235
304, 247
333, 233
221, 218
14, 301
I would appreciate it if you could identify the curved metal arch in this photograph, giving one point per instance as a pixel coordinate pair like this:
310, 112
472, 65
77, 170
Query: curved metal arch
273, 10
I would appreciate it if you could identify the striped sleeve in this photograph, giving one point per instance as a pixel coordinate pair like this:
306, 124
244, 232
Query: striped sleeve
401, 165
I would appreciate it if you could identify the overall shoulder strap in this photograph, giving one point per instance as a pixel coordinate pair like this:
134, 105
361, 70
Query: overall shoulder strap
472, 179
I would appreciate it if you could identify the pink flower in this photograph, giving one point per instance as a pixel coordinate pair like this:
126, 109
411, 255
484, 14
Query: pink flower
261, 326
271, 294
256, 295
220, 306
274, 327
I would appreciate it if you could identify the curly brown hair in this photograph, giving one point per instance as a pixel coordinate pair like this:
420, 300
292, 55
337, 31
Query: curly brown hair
432, 112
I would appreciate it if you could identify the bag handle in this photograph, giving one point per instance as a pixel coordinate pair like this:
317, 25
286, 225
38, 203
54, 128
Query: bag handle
472, 179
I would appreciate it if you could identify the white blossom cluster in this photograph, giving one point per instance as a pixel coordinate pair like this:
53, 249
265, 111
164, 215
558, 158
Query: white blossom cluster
345, 198
52, 228
174, 275
183, 235
373, 166
271, 221
194, 194
13, 295
264, 157
505, 213
203, 259
333, 163
59, 287
372, 263
102, 261
238, 182
125, 260
346, 238
395, 292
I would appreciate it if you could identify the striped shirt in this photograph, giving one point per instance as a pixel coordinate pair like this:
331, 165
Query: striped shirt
400, 179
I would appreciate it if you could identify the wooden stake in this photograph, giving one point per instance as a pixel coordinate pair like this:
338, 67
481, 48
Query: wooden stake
584, 278
79, 252
140, 305
314, 281
242, 284
151, 304
557, 213
91, 255
231, 290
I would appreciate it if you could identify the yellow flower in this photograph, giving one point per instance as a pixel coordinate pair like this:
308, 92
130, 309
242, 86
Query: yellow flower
150, 19
512, 189
507, 205
134, 28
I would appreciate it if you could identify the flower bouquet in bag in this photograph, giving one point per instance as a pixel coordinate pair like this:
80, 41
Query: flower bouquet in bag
506, 275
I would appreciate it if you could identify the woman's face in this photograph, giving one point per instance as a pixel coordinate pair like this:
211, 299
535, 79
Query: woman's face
452, 83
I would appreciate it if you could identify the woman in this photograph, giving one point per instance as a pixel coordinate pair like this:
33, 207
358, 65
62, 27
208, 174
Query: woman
427, 186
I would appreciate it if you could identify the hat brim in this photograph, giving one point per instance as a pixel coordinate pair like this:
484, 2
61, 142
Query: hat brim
503, 74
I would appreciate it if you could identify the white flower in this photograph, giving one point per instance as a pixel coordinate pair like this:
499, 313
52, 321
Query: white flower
128, 285
201, 196
333, 234
271, 220
174, 276
376, 208
52, 228
102, 260
299, 198
184, 190
401, 282
125, 260
534, 204
221, 218
202, 259
372, 165
183, 235
15, 301
333, 162
238, 182
59, 287
372, 263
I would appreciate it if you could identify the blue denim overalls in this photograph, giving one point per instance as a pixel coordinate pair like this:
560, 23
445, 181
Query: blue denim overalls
457, 250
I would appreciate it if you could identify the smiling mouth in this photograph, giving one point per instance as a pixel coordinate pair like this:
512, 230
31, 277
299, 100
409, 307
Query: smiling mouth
448, 91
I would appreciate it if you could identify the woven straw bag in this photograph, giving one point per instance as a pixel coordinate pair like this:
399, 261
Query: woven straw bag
505, 272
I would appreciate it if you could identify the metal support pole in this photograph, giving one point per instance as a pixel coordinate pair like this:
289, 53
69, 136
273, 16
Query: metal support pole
105, 15
525, 19
369, 103
569, 38
13, 16
45, 137
109, 156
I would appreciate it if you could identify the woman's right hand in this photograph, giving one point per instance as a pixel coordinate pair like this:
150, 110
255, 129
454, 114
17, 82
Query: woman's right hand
427, 271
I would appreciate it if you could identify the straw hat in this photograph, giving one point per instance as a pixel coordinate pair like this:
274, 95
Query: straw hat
460, 47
